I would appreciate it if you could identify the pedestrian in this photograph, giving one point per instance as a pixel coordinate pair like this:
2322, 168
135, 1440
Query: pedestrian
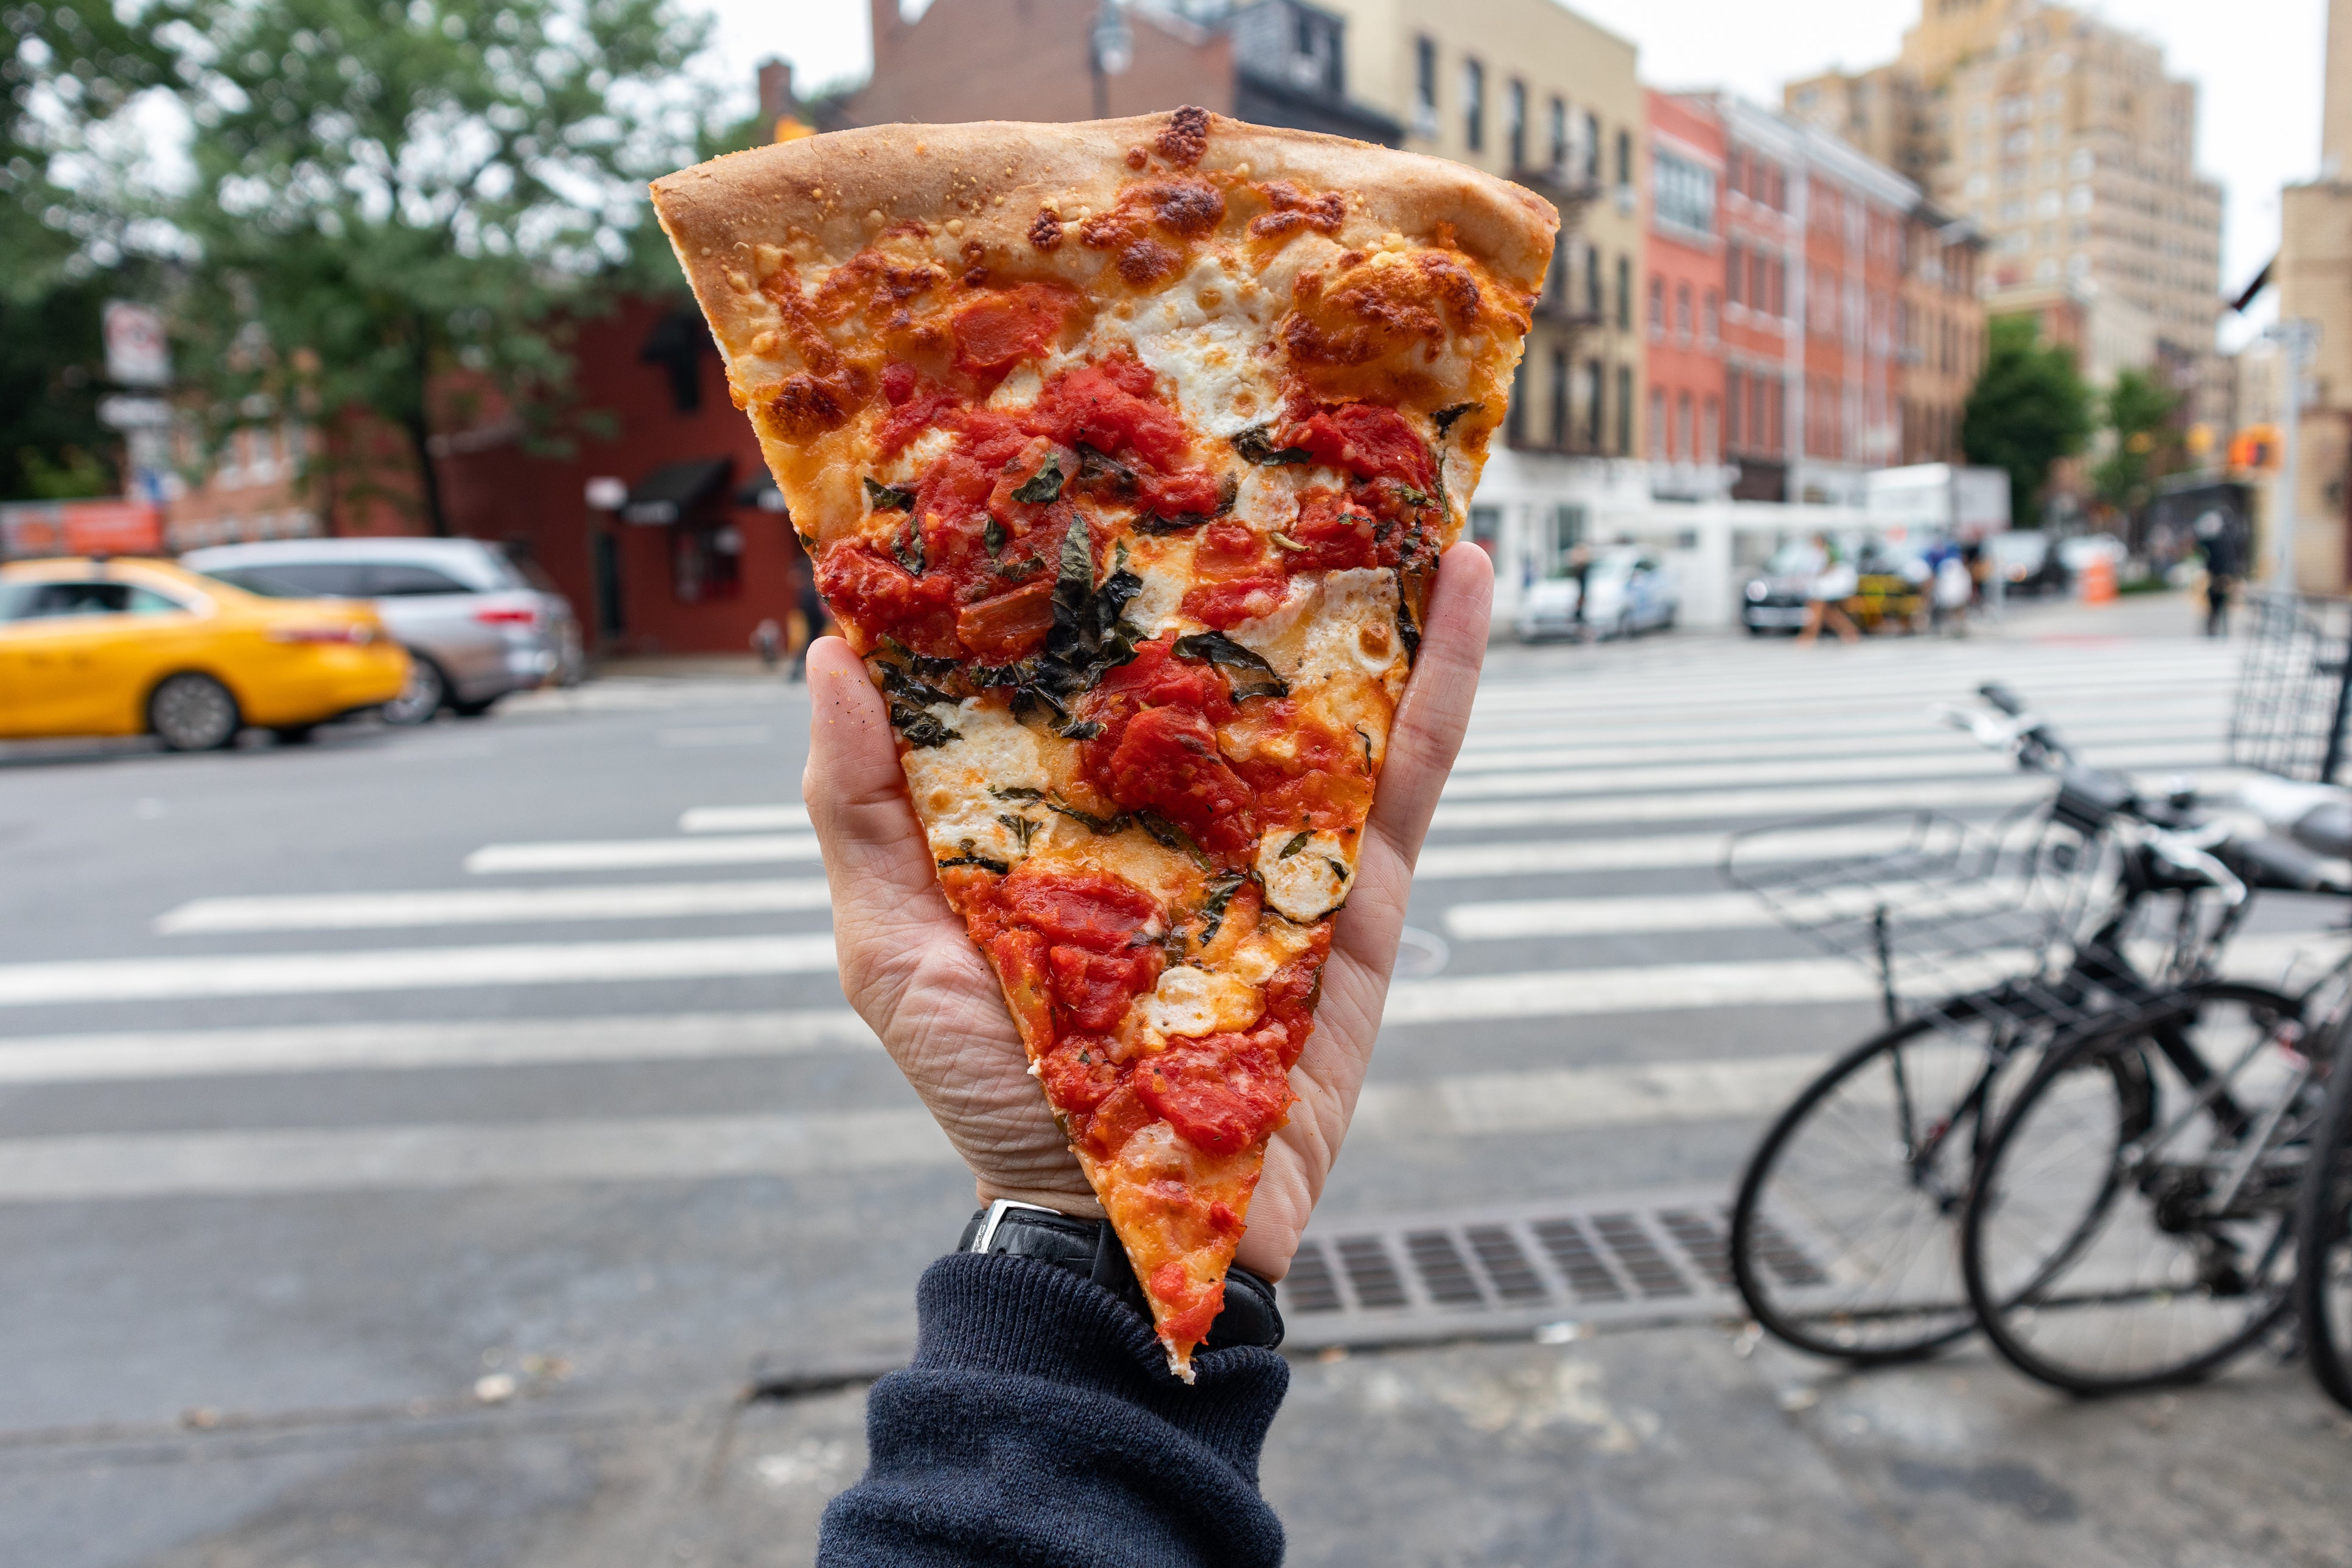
1038, 1422
1580, 571
808, 614
1953, 587
2218, 543
1825, 595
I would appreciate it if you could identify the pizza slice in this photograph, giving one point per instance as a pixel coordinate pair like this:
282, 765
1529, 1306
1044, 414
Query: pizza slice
1125, 452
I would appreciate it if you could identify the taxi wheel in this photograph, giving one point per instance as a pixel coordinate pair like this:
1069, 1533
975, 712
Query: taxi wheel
422, 698
192, 713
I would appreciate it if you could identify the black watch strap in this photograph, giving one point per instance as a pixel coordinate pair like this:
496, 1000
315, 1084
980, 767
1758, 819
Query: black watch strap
1091, 1247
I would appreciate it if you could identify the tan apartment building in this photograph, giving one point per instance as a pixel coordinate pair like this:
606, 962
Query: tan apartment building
1939, 341
2063, 140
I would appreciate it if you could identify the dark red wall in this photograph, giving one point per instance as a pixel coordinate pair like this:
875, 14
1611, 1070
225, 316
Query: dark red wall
504, 493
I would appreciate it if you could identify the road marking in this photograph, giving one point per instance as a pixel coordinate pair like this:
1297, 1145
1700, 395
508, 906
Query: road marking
713, 735
469, 1043
493, 905
1776, 742
1644, 988
409, 969
1455, 862
782, 816
1744, 803
1802, 692
1968, 764
639, 854
1501, 921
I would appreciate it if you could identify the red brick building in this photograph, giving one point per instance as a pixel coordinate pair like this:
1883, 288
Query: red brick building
1682, 309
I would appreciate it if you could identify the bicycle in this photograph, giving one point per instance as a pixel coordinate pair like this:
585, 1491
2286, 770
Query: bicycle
2109, 1247
2322, 1287
1840, 1242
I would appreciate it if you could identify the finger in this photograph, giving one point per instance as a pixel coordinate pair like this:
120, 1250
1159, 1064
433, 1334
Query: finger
855, 790
1435, 713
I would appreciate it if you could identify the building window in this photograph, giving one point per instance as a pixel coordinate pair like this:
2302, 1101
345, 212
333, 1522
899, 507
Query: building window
1683, 443
1593, 402
1592, 148
1776, 434
1735, 262
1425, 87
1731, 387
1657, 307
1559, 413
1592, 283
1515, 120
1682, 193
1515, 420
1709, 444
1474, 105
1780, 288
1658, 448
1558, 135
1710, 321
1683, 315
1734, 168
1624, 293
1624, 159
1625, 410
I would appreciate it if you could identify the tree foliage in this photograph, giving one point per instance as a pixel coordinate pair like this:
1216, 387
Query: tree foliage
2138, 411
2028, 409
399, 206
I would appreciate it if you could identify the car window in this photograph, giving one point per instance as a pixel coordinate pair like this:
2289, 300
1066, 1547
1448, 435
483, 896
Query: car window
50, 600
300, 578
1645, 564
147, 602
407, 579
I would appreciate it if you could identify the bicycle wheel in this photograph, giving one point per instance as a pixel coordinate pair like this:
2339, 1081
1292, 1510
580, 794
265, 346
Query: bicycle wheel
1841, 1241
2323, 1276
2126, 1230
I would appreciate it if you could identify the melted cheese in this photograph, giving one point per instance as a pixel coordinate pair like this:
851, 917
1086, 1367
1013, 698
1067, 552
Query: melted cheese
1201, 333
1311, 880
950, 784
1189, 1001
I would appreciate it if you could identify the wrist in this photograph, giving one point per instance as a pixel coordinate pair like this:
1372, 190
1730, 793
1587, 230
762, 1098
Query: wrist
1089, 1249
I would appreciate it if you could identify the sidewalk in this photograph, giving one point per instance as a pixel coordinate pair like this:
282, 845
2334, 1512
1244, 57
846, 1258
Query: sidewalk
1657, 1448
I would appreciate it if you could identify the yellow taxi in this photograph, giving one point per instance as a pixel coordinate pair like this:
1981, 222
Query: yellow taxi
136, 647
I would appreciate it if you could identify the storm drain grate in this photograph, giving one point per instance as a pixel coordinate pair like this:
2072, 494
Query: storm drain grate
1652, 1257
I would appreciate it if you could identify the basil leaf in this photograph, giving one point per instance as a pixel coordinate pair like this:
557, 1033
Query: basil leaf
906, 544
995, 537
971, 856
1256, 444
899, 684
1096, 465
1222, 888
1086, 730
1016, 792
1339, 869
1152, 522
888, 498
1445, 417
1299, 840
1021, 827
1094, 824
1042, 485
1168, 835
920, 729
1217, 647
1407, 632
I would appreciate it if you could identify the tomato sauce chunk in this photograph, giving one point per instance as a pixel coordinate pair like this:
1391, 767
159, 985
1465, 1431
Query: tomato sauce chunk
1221, 1093
1336, 535
1000, 330
1009, 626
881, 599
1094, 988
1167, 760
1225, 605
1114, 407
1367, 440
1084, 908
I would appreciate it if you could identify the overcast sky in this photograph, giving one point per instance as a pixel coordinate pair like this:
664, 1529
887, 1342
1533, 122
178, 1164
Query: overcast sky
2257, 62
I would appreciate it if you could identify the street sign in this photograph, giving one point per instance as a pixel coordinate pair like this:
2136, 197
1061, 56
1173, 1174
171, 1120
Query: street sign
126, 413
137, 352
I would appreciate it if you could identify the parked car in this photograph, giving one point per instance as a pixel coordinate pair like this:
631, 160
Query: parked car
1774, 599
2029, 568
478, 624
135, 646
1626, 592
1891, 585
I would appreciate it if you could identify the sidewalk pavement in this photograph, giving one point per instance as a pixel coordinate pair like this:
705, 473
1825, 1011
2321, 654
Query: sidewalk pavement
1655, 1448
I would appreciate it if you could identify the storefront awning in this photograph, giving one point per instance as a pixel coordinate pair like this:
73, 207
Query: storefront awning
672, 491
761, 491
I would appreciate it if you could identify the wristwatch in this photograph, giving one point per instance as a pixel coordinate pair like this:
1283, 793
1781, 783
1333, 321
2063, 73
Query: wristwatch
1090, 1250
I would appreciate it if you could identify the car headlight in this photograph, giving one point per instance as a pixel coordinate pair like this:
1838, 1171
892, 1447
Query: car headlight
1756, 591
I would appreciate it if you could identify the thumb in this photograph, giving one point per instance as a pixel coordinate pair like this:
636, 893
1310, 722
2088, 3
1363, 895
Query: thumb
856, 791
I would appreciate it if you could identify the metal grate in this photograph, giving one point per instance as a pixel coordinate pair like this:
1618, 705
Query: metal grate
2290, 712
1652, 1256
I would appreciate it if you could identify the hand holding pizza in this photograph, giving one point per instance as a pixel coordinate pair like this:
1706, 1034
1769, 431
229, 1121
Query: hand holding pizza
914, 975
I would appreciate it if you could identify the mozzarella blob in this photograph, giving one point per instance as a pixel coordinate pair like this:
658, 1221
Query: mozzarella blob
1308, 882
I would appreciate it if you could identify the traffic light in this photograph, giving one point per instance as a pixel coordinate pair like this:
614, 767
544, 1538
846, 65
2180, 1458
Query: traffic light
2255, 447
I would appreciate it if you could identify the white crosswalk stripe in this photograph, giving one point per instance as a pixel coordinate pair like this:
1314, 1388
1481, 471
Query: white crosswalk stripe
1617, 769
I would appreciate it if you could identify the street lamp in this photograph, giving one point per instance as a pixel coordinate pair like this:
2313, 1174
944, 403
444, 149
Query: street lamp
1110, 50
2299, 339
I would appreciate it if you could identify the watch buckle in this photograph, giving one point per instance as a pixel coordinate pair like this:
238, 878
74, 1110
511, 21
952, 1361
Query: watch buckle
997, 1210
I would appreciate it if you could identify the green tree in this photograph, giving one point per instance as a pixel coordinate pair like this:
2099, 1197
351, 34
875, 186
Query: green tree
399, 208
2139, 410
2028, 409
71, 65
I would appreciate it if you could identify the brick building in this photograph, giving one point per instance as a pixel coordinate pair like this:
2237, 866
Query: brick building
1682, 299
1941, 336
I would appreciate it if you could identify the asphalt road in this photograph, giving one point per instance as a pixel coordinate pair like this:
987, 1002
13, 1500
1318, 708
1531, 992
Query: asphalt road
412, 1143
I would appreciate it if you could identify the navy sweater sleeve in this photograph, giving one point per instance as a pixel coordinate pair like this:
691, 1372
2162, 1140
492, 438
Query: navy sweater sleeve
1039, 1424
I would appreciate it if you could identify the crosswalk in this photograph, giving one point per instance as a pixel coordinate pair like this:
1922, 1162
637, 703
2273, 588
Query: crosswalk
1571, 870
